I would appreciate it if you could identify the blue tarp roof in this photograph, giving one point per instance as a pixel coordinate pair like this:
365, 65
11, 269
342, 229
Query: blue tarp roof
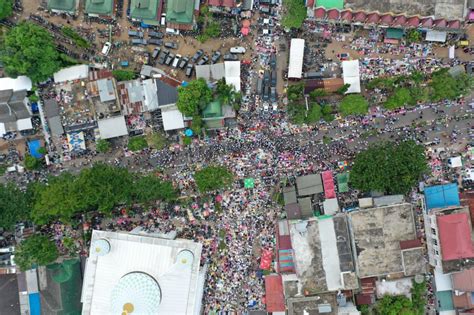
35, 307
34, 146
441, 196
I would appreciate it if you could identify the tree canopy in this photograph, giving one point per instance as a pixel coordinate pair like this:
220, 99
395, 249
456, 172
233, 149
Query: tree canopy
193, 97
6, 8
32, 163
354, 104
156, 140
401, 97
401, 305
213, 177
123, 75
151, 188
445, 86
137, 143
29, 50
389, 167
35, 250
294, 13
102, 146
14, 206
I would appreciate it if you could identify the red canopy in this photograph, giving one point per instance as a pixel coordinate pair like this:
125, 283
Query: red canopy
399, 20
245, 31
454, 24
346, 15
274, 297
440, 23
246, 23
266, 259
426, 22
328, 184
319, 13
413, 21
373, 18
333, 14
386, 19
360, 17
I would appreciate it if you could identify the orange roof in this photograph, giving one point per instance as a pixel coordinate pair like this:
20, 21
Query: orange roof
464, 281
455, 236
275, 299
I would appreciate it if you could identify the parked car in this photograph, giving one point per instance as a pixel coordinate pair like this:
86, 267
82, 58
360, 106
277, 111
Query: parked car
237, 50
156, 52
184, 61
163, 19
158, 35
172, 31
273, 61
203, 60
106, 48
273, 94
266, 77
154, 41
274, 78
138, 41
176, 61
266, 93
189, 70
259, 86
230, 57
163, 56
215, 57
169, 59
171, 45
265, 9
197, 55
135, 34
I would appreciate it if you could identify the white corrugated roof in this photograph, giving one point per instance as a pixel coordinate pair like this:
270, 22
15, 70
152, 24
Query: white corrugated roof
172, 118
295, 67
2, 129
72, 73
24, 124
435, 36
112, 127
351, 75
232, 74
18, 84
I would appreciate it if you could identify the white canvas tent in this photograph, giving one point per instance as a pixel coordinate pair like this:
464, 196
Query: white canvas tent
78, 72
172, 118
435, 36
232, 74
18, 84
295, 68
112, 127
351, 75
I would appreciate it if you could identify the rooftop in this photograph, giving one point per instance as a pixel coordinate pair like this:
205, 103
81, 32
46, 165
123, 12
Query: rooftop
441, 196
180, 11
122, 265
62, 5
324, 304
455, 236
144, 9
309, 185
464, 280
99, 7
377, 238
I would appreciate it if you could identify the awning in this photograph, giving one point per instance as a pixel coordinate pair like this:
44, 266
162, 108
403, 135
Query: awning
266, 259
394, 33
328, 183
435, 36
391, 41
274, 296
245, 31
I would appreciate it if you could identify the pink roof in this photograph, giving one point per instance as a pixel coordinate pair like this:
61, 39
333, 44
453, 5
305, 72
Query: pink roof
455, 236
440, 23
400, 20
319, 13
471, 15
386, 19
454, 24
427, 22
275, 299
360, 17
328, 184
333, 14
346, 15
266, 259
222, 3
310, 3
413, 21
464, 281
373, 17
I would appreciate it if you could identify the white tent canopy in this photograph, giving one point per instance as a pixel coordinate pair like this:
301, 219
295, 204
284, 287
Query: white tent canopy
435, 36
455, 162
351, 75
112, 127
295, 67
72, 73
232, 74
19, 84
24, 124
172, 118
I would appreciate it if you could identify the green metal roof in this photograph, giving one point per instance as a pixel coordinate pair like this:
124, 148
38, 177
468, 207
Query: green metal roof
68, 276
144, 9
180, 11
62, 5
330, 4
445, 300
213, 110
342, 182
100, 7
394, 33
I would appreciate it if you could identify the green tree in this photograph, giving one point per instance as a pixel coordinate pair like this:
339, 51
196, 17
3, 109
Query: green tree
29, 50
102, 146
314, 95
413, 36
197, 124
156, 140
401, 97
445, 86
354, 104
213, 177
294, 13
224, 91
14, 206
42, 151
35, 250
6, 8
151, 188
137, 143
123, 75
314, 114
343, 89
32, 163
327, 112
297, 113
295, 92
194, 97
76, 38
389, 167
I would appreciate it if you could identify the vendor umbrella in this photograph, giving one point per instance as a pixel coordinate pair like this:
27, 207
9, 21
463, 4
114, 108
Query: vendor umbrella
249, 183
188, 132
245, 31
246, 23
218, 198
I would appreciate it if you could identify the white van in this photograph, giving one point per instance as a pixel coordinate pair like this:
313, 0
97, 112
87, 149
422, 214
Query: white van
172, 31
163, 19
176, 61
237, 50
106, 48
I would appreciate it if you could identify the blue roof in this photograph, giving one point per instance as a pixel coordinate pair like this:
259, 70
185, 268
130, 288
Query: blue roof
35, 307
442, 196
34, 146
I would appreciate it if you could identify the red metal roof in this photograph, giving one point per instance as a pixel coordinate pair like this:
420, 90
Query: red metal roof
410, 244
454, 24
413, 21
426, 22
275, 299
319, 13
284, 242
373, 17
399, 20
222, 3
346, 15
359, 16
310, 3
386, 19
333, 14
440, 23
328, 183
464, 281
455, 236
365, 299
